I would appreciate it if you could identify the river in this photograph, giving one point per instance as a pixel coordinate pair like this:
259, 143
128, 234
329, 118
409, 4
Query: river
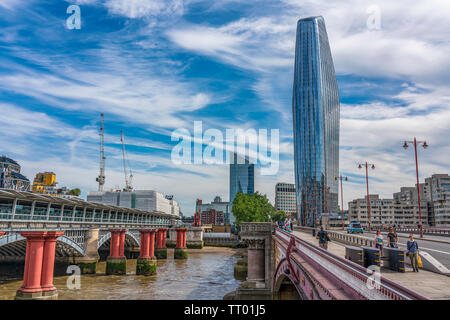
207, 274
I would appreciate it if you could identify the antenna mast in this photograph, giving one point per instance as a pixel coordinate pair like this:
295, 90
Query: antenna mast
128, 178
101, 177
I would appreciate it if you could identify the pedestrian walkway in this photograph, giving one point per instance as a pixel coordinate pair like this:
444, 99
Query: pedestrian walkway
429, 284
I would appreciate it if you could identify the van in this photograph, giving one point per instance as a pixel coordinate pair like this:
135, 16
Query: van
354, 227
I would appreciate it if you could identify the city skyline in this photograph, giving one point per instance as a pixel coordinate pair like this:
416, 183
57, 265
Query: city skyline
154, 70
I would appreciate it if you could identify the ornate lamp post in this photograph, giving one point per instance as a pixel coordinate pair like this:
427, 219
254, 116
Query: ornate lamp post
366, 165
424, 145
342, 197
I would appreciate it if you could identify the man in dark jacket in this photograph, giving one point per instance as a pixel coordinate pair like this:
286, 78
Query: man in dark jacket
323, 238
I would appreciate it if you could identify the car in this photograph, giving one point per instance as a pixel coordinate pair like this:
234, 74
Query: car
354, 227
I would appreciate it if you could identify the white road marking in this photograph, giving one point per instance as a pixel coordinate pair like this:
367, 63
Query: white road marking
444, 252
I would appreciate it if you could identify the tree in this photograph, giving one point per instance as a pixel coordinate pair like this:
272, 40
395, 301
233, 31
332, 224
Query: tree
75, 192
252, 208
279, 216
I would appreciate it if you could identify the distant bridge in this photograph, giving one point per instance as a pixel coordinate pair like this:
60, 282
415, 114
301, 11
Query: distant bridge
24, 211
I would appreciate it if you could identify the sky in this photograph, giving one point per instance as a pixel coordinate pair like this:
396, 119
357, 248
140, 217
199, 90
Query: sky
155, 66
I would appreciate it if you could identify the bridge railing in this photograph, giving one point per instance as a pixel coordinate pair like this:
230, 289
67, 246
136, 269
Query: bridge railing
351, 274
351, 239
429, 231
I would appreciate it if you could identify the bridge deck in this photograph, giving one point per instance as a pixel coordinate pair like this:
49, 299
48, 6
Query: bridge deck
429, 284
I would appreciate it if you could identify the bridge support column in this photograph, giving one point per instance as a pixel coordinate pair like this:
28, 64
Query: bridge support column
194, 238
161, 249
180, 250
39, 266
146, 262
88, 263
116, 263
258, 237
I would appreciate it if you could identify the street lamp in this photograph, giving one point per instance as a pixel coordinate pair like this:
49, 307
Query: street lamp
342, 197
424, 145
314, 195
372, 166
325, 189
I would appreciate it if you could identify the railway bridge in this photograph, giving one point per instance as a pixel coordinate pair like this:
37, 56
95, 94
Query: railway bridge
283, 266
39, 232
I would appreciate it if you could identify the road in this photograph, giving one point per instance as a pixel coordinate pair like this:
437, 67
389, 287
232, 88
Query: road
439, 251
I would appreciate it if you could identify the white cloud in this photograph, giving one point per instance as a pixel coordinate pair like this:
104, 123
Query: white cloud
144, 8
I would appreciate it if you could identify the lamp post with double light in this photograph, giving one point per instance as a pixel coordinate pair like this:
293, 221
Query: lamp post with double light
424, 145
372, 166
342, 197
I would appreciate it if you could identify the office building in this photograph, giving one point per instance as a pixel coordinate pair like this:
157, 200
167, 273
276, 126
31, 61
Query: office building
217, 212
10, 176
437, 192
285, 198
315, 107
387, 212
242, 178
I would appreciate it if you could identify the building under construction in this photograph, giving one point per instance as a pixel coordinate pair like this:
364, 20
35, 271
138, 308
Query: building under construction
10, 176
146, 200
45, 183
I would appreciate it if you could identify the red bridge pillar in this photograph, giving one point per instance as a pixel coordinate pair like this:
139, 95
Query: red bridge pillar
116, 263
161, 249
39, 266
146, 262
180, 249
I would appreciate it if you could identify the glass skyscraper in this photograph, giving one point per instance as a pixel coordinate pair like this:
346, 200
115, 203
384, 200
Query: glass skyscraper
242, 178
315, 107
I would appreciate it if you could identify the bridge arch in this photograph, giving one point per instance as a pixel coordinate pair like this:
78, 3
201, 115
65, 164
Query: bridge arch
131, 240
291, 282
15, 245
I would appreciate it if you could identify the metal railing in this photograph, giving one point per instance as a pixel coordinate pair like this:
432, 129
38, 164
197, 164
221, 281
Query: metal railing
351, 239
350, 273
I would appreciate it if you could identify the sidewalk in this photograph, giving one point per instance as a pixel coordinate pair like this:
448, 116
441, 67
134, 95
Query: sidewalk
429, 284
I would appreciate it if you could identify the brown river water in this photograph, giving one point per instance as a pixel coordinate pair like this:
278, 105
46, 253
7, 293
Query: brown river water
207, 274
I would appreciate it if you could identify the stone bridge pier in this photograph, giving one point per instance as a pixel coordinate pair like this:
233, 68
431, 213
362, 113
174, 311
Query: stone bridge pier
88, 262
261, 261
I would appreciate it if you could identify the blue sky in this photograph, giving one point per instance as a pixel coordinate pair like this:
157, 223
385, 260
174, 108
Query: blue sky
154, 66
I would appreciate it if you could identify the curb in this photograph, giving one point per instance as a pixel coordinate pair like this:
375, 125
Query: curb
423, 239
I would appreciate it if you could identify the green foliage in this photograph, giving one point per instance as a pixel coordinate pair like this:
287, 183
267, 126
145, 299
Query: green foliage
279, 216
146, 268
180, 254
161, 253
75, 192
119, 268
252, 208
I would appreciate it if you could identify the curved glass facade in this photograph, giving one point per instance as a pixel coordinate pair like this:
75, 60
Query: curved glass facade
315, 107
242, 178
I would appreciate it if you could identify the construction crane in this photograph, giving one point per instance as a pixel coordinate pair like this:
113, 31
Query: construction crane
101, 177
128, 177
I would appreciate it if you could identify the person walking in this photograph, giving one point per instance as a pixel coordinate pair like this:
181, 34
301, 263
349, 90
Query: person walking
392, 238
413, 252
379, 241
323, 237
